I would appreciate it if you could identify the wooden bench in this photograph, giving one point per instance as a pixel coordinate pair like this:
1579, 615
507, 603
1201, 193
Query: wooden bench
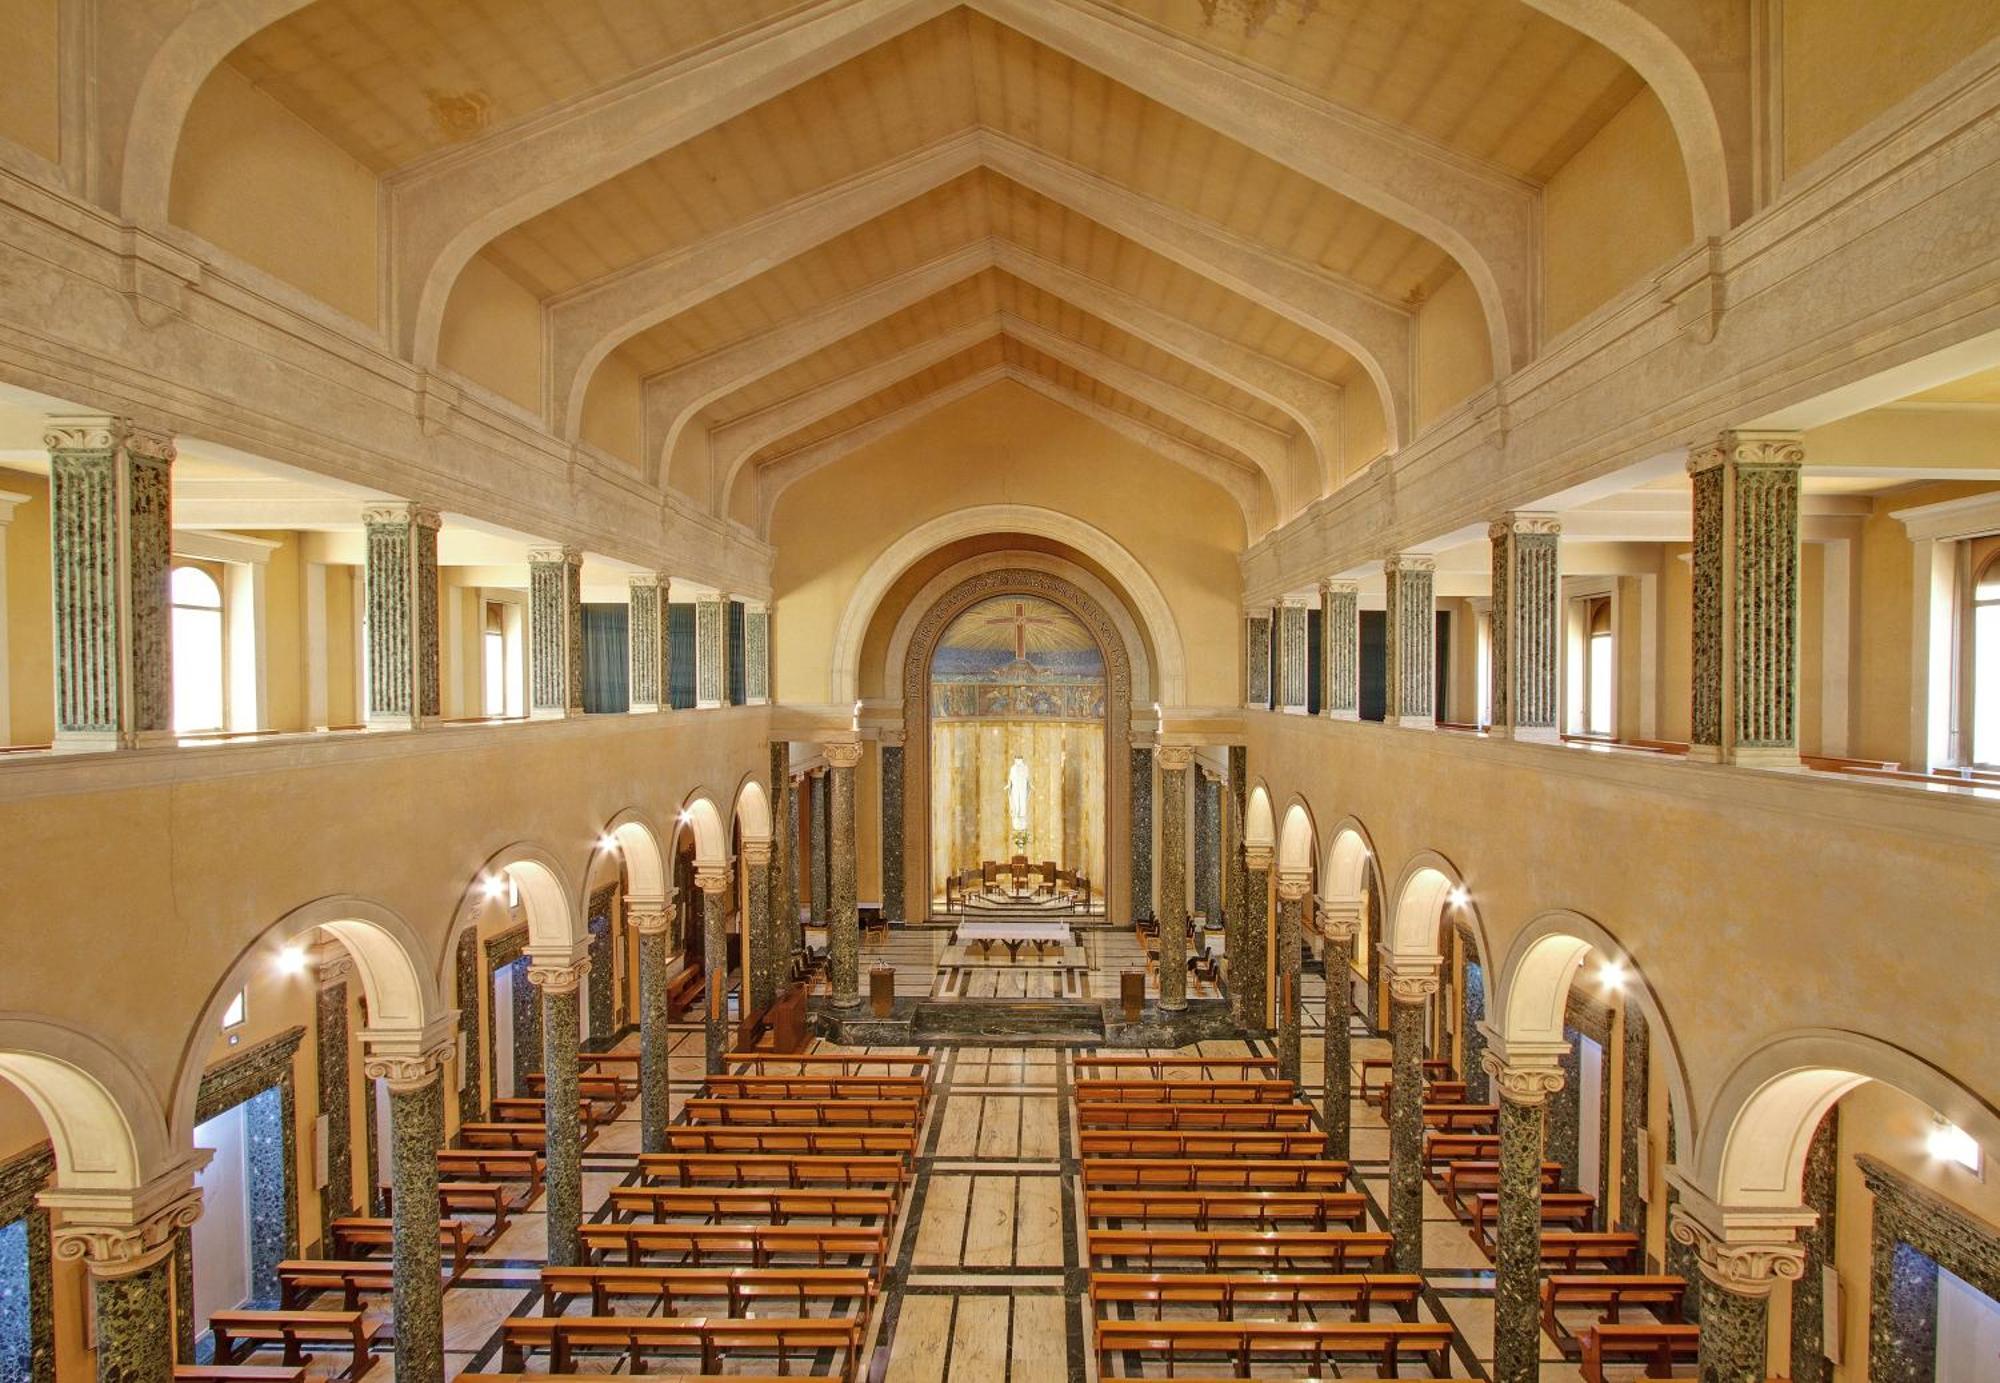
817, 1088
522, 1169
1187, 1092
527, 1109
597, 1087
737, 1288
1440, 1091
1462, 1118
1465, 1179
1655, 1346
624, 1065
806, 1113
1443, 1149
755, 1246
1274, 1118
354, 1235
834, 1063
1371, 1093
1360, 1293
713, 1340
1185, 1145
479, 1198
1165, 1067
250, 1331
1568, 1209
516, 1137
731, 1205
1263, 1209
1213, 1174
237, 1373
715, 1139
1314, 1345
302, 1279
1564, 1249
1331, 1250
684, 992
1608, 1293
772, 1169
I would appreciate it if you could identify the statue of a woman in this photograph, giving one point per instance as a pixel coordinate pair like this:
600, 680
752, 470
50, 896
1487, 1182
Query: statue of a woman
1017, 795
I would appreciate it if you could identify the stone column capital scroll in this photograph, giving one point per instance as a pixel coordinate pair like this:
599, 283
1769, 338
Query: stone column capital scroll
417, 515
1174, 758
842, 753
1748, 1266
1409, 561
566, 556
650, 920
756, 853
1294, 885
558, 979
1340, 918
1748, 448
712, 878
404, 1071
1521, 1084
110, 1251
1524, 521
1258, 856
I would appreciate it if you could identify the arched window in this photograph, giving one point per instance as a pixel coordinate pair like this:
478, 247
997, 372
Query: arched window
199, 674
1986, 664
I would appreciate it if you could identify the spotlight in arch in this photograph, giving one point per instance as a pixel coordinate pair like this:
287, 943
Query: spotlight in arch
1459, 897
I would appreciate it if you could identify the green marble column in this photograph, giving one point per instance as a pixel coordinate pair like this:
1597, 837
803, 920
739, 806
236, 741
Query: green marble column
401, 542
714, 885
761, 978
1340, 921
563, 1173
843, 926
1407, 997
1738, 1270
1340, 606
135, 1326
819, 872
784, 837
651, 923
1517, 1253
131, 1267
1410, 640
1735, 1333
648, 647
1249, 955
1176, 767
892, 826
416, 1132
1291, 929
555, 633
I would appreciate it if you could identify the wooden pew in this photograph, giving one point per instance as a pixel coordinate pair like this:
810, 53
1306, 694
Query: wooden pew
1655, 1346
735, 1204
1211, 1174
672, 1289
1440, 1091
1360, 1293
250, 1331
715, 1139
1248, 1250
1371, 1093
772, 1169
684, 992
1164, 1067
817, 1088
830, 1063
302, 1279
1277, 1118
517, 1137
1462, 1118
755, 1246
1443, 1149
1609, 1293
624, 1066
1182, 1144
1186, 1092
526, 1109
1314, 1345
711, 1339
238, 1373
806, 1113
1564, 1249
1573, 1210
1465, 1179
353, 1235
479, 1198
1202, 1209
522, 1168
597, 1087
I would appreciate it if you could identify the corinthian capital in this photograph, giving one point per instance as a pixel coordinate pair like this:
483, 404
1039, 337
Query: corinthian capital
712, 878
1258, 857
648, 921
406, 1072
1174, 758
1748, 449
756, 853
1412, 989
1523, 1085
842, 753
1747, 1267
558, 979
120, 1250
1294, 885
1340, 918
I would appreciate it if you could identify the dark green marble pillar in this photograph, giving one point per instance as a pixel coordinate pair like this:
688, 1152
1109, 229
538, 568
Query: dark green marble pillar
651, 923
1517, 1249
1407, 996
1243, 897
817, 842
714, 885
330, 1045
1176, 763
1291, 925
1340, 922
761, 978
1736, 1296
892, 827
1142, 834
135, 1324
1249, 956
563, 1174
843, 928
1735, 1333
416, 1132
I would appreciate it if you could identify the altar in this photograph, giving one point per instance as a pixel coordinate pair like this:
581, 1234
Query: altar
1043, 936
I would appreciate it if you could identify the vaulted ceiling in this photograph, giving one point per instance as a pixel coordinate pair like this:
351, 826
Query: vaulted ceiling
933, 197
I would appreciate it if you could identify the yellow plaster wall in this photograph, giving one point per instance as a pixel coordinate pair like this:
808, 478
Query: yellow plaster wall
284, 652
1847, 61
1365, 434
1614, 213
1812, 666
492, 333
30, 635
614, 409
1004, 445
261, 183
1676, 642
1454, 355
30, 100
342, 706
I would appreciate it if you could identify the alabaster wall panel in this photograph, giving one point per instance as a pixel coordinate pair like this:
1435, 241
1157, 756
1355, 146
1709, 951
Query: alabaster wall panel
1454, 353
613, 410
259, 182
492, 333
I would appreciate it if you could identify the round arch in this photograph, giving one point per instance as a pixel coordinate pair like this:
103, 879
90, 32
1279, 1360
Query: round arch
1296, 840
1416, 918
638, 840
1350, 856
1259, 823
1093, 542
702, 819
102, 1117
554, 922
753, 810
1752, 1147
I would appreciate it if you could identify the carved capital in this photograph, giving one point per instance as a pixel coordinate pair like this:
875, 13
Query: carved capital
567, 556
649, 921
1293, 886
405, 1072
1523, 1085
1748, 449
1329, 589
1174, 758
101, 434
1747, 1268
891, 739
1409, 562
712, 878
113, 1251
1258, 857
1340, 919
842, 753
558, 979
1412, 989
1545, 524
756, 853
398, 515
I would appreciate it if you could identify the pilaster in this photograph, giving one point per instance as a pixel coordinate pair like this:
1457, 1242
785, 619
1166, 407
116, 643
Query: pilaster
711, 651
1257, 660
1340, 613
843, 925
1746, 599
1294, 674
402, 619
1527, 599
1175, 760
1411, 641
648, 652
555, 633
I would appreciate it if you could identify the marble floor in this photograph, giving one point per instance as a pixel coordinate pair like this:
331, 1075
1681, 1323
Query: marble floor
985, 1278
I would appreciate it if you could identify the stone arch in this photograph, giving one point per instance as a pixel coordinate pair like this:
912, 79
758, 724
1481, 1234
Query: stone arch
1259, 823
638, 844
914, 683
554, 922
1296, 840
1350, 858
1752, 1147
701, 818
1531, 994
388, 956
1429, 885
753, 810
1149, 600
102, 1117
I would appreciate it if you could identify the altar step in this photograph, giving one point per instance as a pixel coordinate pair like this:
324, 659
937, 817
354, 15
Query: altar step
1068, 1020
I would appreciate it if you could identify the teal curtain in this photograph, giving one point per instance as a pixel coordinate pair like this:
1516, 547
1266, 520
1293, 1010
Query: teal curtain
605, 659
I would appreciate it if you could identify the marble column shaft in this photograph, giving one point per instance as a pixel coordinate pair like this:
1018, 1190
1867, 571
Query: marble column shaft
1206, 874
402, 618
1406, 1121
563, 1172
1517, 1252
1257, 661
1523, 683
1338, 1071
892, 830
761, 977
654, 1036
1291, 927
1737, 1278
648, 645
1289, 634
416, 1132
714, 886
135, 1325
1142, 833
756, 655
1237, 902
711, 652
843, 926
1340, 612
1410, 637
1176, 766
820, 785
1735, 1336
555, 633
1249, 955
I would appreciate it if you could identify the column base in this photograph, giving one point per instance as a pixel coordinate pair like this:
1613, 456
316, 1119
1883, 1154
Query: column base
709, 705
1415, 722
1173, 1005
551, 713
1526, 734
1763, 756
377, 723
646, 708
87, 742
845, 1001
1341, 715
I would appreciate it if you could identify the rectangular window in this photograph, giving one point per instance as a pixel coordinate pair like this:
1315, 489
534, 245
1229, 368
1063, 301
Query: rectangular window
606, 665
238, 1010
680, 652
738, 657
1374, 664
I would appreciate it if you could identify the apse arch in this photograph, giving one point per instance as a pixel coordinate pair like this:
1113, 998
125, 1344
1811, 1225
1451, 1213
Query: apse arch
1259, 823
1150, 601
103, 1119
389, 961
1752, 1148
1350, 856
